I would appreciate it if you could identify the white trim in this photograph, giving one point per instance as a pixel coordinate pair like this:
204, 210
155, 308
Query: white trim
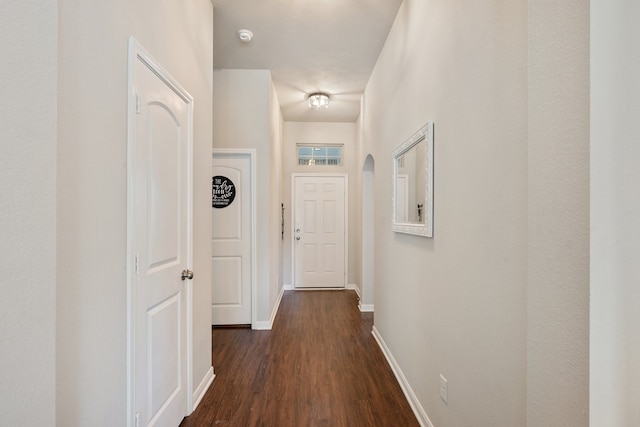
320, 146
346, 222
268, 325
276, 306
204, 385
288, 287
346, 228
190, 283
366, 308
254, 252
137, 52
189, 339
354, 287
262, 325
323, 144
417, 408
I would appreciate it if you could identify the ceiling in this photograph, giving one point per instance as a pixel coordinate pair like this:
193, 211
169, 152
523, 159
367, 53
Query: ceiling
309, 45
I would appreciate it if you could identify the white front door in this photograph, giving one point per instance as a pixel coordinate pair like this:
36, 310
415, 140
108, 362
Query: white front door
231, 203
319, 231
160, 185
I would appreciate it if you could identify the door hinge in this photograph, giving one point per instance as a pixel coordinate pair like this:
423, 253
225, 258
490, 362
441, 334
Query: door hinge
137, 104
137, 419
137, 264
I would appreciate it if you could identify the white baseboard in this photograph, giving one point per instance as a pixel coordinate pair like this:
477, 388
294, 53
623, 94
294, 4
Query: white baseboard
263, 325
199, 392
287, 287
353, 287
366, 308
267, 325
417, 408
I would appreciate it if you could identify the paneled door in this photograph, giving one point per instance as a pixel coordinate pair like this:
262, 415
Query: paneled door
232, 206
319, 231
160, 230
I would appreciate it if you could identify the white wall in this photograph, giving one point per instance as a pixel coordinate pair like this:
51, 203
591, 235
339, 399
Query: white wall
245, 116
28, 116
615, 209
321, 133
456, 304
91, 199
276, 242
367, 237
558, 212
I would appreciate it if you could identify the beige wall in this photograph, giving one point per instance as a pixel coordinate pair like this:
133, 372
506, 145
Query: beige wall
558, 214
276, 242
246, 115
91, 198
28, 117
497, 301
615, 209
456, 304
509, 260
321, 133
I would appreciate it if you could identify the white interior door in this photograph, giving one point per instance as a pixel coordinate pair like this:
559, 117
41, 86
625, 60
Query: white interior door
161, 220
231, 200
319, 231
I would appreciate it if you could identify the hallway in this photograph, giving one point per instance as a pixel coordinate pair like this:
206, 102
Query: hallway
319, 365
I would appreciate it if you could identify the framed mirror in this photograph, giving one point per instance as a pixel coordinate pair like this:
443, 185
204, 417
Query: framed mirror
413, 184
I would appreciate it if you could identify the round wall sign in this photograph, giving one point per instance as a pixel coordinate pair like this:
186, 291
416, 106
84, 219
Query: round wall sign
223, 191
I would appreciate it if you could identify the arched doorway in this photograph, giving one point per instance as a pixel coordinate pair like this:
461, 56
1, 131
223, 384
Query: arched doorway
368, 234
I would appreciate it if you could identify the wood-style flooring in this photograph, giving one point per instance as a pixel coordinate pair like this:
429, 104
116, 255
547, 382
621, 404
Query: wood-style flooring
318, 366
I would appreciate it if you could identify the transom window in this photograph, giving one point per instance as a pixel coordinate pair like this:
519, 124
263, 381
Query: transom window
319, 155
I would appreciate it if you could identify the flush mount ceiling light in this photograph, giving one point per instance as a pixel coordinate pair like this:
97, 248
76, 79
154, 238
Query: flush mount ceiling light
245, 35
318, 99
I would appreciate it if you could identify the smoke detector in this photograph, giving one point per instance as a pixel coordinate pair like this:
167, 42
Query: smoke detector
245, 36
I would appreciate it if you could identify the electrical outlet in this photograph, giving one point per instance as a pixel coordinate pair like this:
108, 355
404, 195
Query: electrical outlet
444, 389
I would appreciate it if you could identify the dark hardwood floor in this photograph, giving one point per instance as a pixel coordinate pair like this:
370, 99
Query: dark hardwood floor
319, 366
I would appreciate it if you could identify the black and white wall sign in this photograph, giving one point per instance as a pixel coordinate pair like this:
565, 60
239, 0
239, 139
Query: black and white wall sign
223, 191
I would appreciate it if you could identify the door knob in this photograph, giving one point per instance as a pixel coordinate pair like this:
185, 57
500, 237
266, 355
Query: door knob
297, 237
187, 274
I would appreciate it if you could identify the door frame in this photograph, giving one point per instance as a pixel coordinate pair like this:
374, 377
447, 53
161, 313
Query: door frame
138, 53
345, 176
251, 152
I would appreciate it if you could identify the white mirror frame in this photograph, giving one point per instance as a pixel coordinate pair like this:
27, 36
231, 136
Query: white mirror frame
425, 133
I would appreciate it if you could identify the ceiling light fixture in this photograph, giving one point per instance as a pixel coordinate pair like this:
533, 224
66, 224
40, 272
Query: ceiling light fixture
318, 99
245, 35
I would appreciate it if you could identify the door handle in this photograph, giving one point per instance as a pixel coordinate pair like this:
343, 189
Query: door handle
187, 274
297, 237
